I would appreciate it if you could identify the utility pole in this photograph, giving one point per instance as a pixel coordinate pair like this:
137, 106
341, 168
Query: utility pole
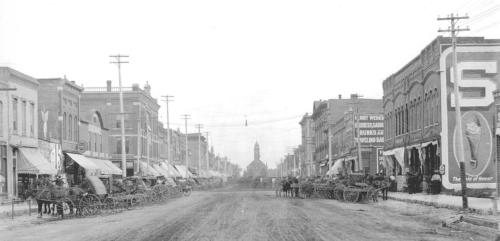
118, 61
454, 29
167, 98
199, 126
186, 118
206, 153
358, 141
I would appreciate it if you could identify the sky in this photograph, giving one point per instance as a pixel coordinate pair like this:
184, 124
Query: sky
227, 61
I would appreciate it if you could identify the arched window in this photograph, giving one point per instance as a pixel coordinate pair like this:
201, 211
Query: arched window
64, 125
70, 127
436, 105
419, 114
426, 110
76, 126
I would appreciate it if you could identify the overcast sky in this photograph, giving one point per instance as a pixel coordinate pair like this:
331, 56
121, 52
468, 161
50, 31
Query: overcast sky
224, 60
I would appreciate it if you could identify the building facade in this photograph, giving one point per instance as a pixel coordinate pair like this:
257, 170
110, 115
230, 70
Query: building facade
18, 128
325, 115
142, 137
197, 150
419, 109
307, 146
256, 168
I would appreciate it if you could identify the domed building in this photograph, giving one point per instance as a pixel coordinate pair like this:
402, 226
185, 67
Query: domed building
256, 168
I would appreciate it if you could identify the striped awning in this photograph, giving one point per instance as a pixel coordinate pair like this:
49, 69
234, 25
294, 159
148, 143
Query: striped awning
106, 167
33, 162
89, 166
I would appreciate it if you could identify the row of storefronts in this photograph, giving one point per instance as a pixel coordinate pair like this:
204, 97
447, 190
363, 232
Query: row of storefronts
421, 138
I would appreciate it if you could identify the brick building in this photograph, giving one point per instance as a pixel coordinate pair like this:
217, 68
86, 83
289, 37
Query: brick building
370, 126
325, 114
141, 123
420, 135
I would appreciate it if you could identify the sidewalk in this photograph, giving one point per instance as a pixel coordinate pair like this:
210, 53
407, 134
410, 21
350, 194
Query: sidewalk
482, 206
19, 209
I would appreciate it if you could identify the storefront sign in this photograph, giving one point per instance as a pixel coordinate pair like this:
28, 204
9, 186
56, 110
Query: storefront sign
371, 129
477, 66
380, 159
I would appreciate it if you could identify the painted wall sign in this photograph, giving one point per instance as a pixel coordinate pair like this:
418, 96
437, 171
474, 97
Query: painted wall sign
478, 77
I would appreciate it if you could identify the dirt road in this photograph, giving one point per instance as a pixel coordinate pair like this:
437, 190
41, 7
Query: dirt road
248, 215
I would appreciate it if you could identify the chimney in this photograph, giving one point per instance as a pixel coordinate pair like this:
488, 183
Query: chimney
340, 97
108, 85
135, 87
354, 96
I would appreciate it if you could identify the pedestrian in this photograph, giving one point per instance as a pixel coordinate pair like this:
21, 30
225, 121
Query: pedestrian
436, 183
410, 183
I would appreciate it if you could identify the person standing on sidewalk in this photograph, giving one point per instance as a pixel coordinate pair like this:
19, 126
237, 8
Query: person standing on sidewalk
436, 183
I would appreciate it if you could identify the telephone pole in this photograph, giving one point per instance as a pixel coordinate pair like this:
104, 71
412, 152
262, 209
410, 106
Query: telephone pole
167, 98
186, 118
206, 153
356, 118
199, 126
453, 29
118, 61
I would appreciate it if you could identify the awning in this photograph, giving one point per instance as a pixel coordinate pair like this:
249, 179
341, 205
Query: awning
183, 171
97, 185
148, 170
106, 167
428, 143
337, 167
89, 166
160, 170
388, 152
33, 162
399, 154
171, 169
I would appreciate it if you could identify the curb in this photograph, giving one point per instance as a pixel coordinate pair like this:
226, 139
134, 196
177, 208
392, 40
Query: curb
18, 212
437, 205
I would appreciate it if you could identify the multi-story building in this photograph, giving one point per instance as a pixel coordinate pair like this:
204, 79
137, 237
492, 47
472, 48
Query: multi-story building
141, 123
307, 147
21, 160
419, 108
346, 150
197, 150
177, 146
325, 115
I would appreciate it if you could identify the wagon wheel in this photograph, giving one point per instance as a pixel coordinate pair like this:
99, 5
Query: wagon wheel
339, 194
64, 207
90, 205
110, 204
351, 195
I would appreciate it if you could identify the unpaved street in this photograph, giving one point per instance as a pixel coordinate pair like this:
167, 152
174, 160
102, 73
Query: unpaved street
248, 215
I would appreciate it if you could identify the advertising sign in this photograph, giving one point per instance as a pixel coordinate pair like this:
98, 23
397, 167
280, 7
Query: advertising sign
371, 129
477, 68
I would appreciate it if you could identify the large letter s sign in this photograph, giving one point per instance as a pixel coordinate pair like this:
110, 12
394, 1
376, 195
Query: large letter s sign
486, 84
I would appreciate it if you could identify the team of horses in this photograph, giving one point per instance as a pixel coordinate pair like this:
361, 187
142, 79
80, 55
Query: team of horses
52, 198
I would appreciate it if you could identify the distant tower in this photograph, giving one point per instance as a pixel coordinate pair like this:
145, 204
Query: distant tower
256, 152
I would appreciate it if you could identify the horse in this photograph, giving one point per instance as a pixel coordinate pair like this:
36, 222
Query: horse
53, 197
286, 187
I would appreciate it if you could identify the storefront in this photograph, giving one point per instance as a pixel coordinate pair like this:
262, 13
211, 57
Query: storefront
31, 165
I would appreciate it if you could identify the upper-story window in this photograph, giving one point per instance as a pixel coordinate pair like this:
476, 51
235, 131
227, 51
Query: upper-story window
15, 115
24, 110
75, 137
64, 126
32, 119
70, 127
